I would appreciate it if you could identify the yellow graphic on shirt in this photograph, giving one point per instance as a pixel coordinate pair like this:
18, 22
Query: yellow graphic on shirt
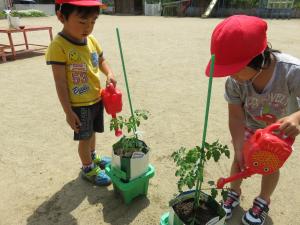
74, 55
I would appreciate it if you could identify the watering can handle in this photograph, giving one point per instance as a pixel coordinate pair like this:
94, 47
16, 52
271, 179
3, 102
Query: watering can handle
275, 126
111, 88
222, 181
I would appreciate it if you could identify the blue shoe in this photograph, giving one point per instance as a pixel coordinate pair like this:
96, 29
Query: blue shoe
101, 161
96, 176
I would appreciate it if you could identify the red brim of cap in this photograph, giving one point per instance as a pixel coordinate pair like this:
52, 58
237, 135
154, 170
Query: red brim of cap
87, 3
225, 70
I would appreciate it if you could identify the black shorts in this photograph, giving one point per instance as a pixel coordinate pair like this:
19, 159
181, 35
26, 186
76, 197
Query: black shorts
91, 119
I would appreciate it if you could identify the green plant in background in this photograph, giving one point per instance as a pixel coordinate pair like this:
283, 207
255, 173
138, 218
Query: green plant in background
27, 13
153, 1
108, 2
127, 145
191, 163
2, 15
244, 3
297, 4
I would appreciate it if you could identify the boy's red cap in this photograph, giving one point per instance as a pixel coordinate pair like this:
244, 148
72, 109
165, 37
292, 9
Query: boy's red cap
82, 2
235, 42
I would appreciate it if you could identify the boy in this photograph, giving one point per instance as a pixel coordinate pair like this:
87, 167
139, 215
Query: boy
76, 58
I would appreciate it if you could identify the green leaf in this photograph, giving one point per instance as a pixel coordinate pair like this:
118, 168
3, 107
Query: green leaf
216, 156
227, 153
206, 145
224, 194
208, 155
211, 183
213, 193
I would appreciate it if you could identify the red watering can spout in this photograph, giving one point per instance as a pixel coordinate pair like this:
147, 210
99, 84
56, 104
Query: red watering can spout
264, 153
112, 101
118, 132
222, 181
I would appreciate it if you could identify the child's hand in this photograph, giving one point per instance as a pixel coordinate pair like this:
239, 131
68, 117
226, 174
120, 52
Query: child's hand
290, 125
110, 79
73, 121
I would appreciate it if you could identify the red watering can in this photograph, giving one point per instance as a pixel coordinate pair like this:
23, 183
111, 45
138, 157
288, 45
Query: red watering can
264, 153
112, 101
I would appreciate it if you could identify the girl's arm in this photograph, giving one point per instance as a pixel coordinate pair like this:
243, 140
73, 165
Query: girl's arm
104, 67
237, 131
61, 84
290, 125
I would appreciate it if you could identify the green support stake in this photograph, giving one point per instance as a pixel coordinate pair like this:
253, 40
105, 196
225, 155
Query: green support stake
125, 77
211, 72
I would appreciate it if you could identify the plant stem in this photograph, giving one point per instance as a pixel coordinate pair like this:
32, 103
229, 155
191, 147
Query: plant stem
201, 164
126, 81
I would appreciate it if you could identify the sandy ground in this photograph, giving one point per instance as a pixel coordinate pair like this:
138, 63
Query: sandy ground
165, 60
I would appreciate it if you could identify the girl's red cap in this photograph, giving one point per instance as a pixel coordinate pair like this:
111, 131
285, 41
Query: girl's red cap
235, 42
82, 2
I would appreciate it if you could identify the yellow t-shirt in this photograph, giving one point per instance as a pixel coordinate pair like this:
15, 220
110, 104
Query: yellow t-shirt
82, 67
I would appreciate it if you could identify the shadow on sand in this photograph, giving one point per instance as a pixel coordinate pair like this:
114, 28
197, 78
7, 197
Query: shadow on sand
58, 208
23, 55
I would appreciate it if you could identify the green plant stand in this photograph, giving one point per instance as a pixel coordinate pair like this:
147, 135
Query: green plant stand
134, 188
164, 219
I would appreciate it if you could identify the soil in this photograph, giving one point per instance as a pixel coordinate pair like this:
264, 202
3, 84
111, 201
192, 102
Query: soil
185, 212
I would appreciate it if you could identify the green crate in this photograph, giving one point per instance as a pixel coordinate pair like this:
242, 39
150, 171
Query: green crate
164, 219
132, 189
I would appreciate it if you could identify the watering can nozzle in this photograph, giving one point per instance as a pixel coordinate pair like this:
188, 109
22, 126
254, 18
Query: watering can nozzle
221, 182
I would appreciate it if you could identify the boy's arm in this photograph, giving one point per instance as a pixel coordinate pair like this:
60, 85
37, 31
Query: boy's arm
237, 131
63, 95
104, 67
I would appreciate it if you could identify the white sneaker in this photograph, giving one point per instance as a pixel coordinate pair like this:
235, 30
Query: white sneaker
257, 214
232, 201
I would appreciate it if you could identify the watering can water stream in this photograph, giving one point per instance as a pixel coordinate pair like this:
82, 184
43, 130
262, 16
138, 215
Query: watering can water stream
264, 153
112, 101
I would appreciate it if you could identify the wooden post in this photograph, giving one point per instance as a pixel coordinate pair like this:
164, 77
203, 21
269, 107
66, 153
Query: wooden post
2, 54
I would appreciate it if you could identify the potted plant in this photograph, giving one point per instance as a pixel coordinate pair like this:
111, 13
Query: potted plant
195, 207
13, 19
130, 156
130, 170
